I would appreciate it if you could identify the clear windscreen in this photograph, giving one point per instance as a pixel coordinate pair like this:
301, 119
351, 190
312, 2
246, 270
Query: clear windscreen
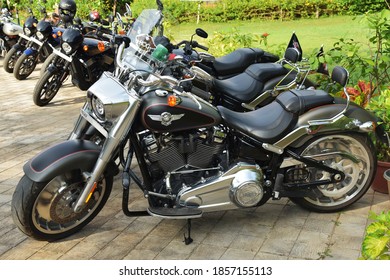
145, 23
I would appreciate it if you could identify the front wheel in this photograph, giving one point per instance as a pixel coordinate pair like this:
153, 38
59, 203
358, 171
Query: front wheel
24, 66
48, 86
352, 154
44, 210
46, 63
10, 59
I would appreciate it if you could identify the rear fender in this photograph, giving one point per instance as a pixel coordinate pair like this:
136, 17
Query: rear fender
354, 112
64, 157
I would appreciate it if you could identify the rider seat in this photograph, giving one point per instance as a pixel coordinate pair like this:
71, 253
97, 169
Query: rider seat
248, 85
273, 121
237, 61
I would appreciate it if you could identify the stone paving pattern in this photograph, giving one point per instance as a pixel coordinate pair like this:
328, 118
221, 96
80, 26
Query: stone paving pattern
279, 230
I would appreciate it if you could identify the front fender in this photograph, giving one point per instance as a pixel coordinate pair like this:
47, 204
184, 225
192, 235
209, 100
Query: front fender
30, 51
17, 46
64, 157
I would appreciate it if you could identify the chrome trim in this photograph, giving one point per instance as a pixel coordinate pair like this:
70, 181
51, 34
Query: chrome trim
93, 122
292, 136
258, 100
62, 55
36, 41
115, 136
367, 127
273, 148
174, 217
213, 195
25, 36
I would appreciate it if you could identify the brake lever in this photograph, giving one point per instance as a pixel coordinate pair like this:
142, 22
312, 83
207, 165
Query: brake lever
190, 95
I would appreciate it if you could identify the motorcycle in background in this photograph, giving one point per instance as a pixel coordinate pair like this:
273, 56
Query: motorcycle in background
29, 29
9, 31
86, 58
39, 48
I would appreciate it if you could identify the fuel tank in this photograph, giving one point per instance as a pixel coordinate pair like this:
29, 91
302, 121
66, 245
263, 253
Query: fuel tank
160, 116
12, 29
91, 46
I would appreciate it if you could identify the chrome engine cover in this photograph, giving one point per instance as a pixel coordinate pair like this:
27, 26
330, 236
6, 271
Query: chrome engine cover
246, 189
240, 186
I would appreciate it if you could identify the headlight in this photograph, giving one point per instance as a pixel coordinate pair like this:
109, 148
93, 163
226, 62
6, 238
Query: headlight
98, 108
66, 47
27, 31
40, 35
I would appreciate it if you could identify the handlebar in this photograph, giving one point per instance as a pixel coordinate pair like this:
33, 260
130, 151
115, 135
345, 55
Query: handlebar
193, 44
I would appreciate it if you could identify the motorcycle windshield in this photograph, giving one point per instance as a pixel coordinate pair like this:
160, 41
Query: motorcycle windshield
145, 23
136, 56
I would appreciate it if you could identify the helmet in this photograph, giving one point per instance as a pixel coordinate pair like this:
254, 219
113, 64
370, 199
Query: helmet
67, 10
94, 16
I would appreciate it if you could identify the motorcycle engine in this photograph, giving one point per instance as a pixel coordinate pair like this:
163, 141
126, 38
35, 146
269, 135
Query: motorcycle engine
184, 158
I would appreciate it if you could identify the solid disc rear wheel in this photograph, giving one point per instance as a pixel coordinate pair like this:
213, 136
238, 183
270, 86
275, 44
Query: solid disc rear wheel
353, 154
44, 210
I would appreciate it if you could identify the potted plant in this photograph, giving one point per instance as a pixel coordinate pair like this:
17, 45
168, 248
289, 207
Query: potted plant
380, 106
376, 243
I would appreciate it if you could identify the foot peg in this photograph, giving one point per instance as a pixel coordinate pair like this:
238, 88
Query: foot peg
175, 213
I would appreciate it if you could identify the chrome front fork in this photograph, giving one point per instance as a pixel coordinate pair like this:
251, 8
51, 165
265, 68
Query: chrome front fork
114, 138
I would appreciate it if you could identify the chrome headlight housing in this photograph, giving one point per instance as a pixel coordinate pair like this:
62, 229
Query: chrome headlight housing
66, 48
40, 36
108, 98
27, 31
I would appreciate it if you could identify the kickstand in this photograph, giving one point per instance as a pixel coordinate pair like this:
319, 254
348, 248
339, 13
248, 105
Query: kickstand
188, 240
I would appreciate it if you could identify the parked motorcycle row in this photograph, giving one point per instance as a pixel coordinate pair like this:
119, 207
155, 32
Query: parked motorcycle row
208, 134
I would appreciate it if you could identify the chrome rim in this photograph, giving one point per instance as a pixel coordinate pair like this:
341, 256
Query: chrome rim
343, 153
52, 211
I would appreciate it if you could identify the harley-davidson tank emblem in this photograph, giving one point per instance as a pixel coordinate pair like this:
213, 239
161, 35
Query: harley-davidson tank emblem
166, 118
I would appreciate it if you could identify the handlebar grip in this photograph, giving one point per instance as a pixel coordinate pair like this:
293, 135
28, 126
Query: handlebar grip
195, 44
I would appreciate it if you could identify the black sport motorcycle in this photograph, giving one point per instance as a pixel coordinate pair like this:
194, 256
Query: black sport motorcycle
194, 157
85, 57
37, 49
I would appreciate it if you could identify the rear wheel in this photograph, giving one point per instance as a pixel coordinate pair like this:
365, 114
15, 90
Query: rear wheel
47, 86
350, 153
44, 210
24, 66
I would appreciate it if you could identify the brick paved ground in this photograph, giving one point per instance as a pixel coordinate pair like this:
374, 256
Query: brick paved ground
277, 230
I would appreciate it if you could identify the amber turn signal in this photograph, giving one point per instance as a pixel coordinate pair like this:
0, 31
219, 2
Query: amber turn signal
101, 46
173, 100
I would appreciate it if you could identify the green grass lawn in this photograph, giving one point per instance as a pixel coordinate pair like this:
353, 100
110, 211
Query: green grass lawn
312, 33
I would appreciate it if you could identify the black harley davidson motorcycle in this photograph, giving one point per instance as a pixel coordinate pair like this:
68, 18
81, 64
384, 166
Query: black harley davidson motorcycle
39, 48
194, 157
85, 53
245, 79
